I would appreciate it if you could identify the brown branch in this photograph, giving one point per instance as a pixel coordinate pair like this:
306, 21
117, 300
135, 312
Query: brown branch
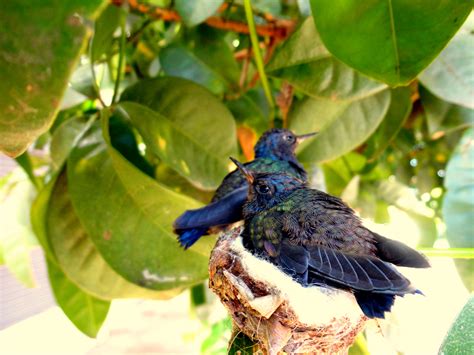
278, 29
284, 100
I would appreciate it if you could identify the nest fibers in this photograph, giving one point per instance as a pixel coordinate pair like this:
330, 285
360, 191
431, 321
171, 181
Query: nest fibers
273, 309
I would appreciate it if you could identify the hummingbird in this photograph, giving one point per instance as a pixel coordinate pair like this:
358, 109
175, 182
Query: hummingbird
274, 152
318, 240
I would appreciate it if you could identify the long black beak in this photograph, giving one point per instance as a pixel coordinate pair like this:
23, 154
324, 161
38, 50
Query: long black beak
247, 173
303, 137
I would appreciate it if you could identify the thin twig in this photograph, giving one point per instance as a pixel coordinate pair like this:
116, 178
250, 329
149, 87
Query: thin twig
258, 57
95, 85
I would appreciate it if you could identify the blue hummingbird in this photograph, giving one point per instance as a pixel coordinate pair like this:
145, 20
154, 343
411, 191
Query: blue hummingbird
318, 240
274, 151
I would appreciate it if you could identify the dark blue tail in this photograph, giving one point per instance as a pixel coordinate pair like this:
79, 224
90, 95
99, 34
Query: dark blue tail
188, 237
374, 305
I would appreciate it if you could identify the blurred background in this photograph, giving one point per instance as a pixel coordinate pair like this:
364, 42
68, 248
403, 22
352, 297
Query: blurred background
116, 116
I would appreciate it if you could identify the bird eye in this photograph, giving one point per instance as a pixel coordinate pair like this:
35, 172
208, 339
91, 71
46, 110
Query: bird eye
290, 138
262, 188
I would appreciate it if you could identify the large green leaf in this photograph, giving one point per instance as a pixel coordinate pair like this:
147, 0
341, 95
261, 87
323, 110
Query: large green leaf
211, 47
458, 205
173, 146
190, 129
38, 52
451, 75
444, 117
342, 126
304, 61
86, 312
460, 337
178, 61
391, 41
197, 11
16, 235
78, 256
400, 108
129, 218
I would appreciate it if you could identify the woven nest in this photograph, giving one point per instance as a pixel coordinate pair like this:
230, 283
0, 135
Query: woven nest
277, 312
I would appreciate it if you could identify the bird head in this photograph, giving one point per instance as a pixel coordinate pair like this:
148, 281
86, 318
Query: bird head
279, 144
267, 189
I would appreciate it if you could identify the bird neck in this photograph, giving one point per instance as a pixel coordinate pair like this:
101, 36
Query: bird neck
259, 204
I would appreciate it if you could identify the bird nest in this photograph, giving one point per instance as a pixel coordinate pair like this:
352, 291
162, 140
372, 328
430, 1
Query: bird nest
277, 312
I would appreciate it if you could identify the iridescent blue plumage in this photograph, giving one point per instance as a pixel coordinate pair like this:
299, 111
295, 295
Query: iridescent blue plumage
318, 240
274, 152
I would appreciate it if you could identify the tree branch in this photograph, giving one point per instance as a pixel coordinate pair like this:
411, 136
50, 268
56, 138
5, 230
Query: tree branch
277, 29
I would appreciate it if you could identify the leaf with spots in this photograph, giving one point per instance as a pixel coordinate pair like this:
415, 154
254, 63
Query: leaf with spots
78, 256
39, 51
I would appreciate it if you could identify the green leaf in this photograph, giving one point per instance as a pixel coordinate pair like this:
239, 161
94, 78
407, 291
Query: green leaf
443, 117
86, 312
39, 52
268, 6
65, 138
129, 218
216, 343
38, 212
179, 62
391, 41
210, 46
360, 346
78, 257
458, 204
197, 11
338, 172
451, 75
105, 26
342, 126
400, 108
460, 338
174, 147
188, 128
304, 62
241, 344
16, 237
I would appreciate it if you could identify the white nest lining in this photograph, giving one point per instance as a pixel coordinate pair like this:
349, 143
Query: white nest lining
313, 305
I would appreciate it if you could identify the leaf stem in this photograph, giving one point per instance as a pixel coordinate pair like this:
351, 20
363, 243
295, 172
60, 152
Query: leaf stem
95, 86
455, 253
258, 56
123, 38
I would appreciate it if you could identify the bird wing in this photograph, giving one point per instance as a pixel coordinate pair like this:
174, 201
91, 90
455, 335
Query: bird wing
359, 272
319, 238
398, 253
224, 211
